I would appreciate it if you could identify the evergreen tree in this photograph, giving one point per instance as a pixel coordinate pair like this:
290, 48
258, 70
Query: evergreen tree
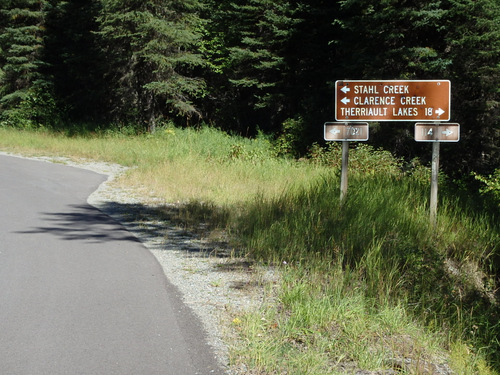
152, 50
393, 39
76, 65
268, 64
21, 47
473, 44
258, 60
246, 59
275, 57
314, 67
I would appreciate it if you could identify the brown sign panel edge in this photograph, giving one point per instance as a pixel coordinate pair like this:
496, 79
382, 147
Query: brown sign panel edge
385, 119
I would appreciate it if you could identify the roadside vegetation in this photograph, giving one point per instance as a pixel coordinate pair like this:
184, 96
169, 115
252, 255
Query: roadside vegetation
368, 284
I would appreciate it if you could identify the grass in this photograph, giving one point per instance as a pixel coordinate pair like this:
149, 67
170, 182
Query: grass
368, 284
320, 328
387, 261
178, 165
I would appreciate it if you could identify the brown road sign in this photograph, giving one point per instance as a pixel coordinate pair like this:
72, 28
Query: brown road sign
449, 132
340, 131
392, 100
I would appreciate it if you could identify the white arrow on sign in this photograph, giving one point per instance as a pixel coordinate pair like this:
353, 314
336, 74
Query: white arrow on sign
439, 111
335, 131
447, 132
345, 89
345, 100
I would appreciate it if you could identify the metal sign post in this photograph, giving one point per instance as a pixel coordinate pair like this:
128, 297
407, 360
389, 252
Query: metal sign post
436, 133
434, 183
345, 132
345, 167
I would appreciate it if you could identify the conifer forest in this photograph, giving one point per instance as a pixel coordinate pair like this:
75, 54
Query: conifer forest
249, 66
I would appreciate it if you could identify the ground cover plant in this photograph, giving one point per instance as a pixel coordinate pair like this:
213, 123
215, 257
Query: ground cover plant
376, 254
366, 285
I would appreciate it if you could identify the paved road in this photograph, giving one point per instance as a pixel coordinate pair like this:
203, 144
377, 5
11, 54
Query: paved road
78, 293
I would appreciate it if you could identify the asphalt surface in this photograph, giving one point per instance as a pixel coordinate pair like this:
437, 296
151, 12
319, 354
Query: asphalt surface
78, 293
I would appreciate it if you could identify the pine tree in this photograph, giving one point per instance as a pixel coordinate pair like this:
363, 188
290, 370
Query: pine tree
255, 39
473, 44
152, 50
21, 47
76, 65
393, 39
275, 62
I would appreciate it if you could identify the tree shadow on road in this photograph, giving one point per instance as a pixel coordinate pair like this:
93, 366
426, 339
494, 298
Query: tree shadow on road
164, 227
169, 227
81, 223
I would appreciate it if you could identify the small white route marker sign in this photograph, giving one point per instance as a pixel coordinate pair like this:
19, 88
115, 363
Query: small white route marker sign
340, 131
447, 132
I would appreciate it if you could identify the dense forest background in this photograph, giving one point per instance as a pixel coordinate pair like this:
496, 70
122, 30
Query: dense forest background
249, 66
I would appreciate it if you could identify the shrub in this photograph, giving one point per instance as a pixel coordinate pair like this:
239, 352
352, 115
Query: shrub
36, 109
363, 159
491, 185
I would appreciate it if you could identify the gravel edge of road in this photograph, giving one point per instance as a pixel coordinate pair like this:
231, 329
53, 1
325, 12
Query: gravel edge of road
217, 288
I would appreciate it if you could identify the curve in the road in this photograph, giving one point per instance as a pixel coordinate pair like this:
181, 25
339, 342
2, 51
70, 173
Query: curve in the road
78, 293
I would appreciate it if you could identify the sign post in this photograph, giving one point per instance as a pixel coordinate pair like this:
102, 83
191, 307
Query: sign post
434, 184
345, 132
436, 133
344, 174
